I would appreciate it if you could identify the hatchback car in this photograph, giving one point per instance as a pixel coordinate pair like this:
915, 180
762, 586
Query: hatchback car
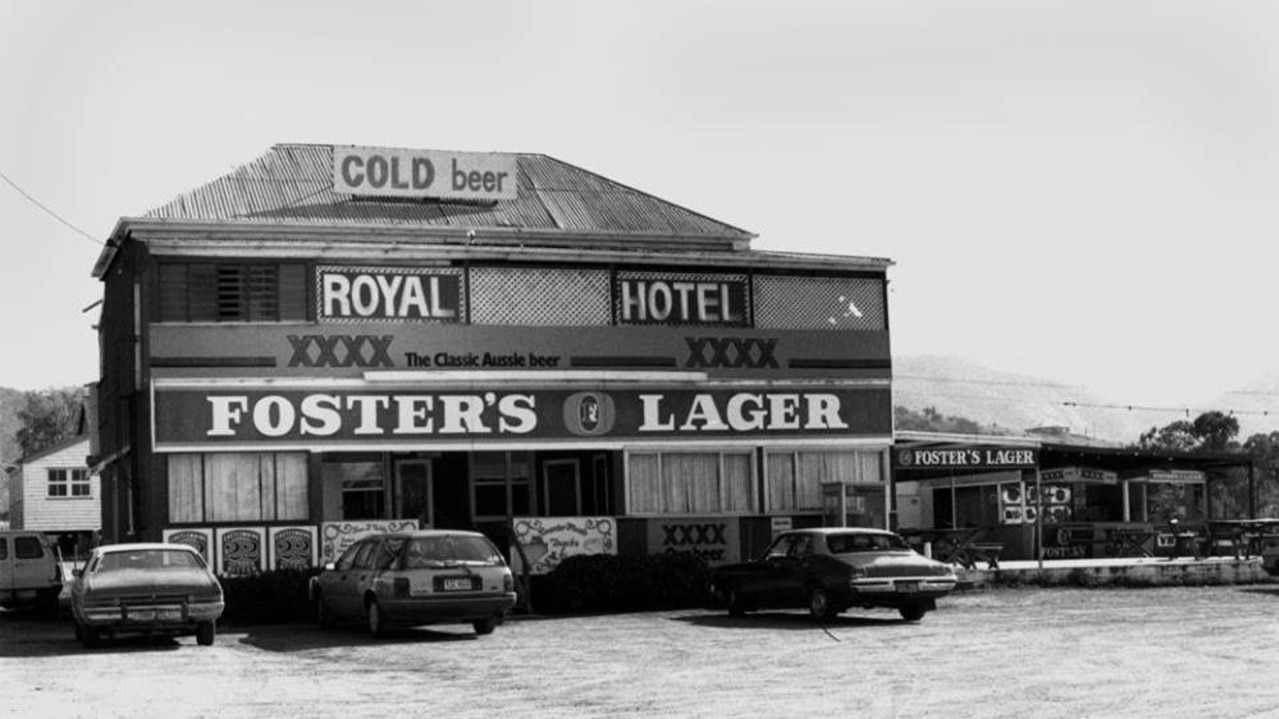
416, 578
831, 570
145, 588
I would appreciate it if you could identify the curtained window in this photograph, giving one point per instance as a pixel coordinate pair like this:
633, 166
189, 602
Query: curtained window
237, 487
794, 479
690, 483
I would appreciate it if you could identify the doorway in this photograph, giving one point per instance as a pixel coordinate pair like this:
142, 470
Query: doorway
413, 491
562, 487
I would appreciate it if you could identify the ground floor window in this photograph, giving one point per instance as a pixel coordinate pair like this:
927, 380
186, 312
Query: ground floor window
690, 483
501, 484
237, 487
355, 486
794, 478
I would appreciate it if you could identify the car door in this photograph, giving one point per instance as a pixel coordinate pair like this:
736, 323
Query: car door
339, 588
793, 572
33, 563
771, 581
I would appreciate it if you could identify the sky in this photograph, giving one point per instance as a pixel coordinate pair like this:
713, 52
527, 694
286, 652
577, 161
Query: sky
1077, 191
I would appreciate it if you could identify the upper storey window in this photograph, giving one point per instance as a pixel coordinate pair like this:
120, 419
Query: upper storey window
232, 292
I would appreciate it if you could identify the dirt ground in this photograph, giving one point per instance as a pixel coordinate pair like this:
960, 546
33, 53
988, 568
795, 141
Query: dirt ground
1171, 653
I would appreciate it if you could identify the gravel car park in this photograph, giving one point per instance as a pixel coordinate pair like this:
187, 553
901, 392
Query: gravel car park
1173, 653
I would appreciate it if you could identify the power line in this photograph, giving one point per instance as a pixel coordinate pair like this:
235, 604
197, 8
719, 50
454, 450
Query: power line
51, 213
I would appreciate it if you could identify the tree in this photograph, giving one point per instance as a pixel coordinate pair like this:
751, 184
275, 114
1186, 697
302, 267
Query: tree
1264, 449
48, 417
1209, 432
930, 420
1178, 436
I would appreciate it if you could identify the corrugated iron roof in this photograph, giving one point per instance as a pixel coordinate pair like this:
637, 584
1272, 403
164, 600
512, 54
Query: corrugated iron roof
292, 184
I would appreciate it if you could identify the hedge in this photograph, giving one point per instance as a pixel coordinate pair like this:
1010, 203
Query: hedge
275, 597
608, 583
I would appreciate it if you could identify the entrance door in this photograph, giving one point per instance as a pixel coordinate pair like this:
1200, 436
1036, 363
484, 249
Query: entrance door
561, 488
413, 495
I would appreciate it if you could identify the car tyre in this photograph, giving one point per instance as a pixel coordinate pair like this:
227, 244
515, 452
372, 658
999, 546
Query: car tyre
91, 637
912, 612
820, 605
374, 620
733, 598
323, 616
205, 633
485, 626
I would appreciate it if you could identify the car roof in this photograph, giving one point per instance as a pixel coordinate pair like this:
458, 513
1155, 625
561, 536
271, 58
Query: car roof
839, 530
106, 548
412, 533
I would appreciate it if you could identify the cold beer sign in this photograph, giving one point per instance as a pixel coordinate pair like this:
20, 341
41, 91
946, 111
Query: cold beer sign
394, 172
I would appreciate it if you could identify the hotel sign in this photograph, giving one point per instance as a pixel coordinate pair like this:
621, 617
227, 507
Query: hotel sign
439, 174
644, 298
303, 416
951, 458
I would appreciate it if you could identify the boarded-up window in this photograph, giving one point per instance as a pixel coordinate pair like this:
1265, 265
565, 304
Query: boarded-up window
690, 483
232, 292
237, 487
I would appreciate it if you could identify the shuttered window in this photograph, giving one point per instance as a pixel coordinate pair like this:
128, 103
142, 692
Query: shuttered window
232, 292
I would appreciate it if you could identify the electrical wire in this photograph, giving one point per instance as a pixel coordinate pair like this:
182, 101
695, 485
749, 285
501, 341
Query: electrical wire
50, 212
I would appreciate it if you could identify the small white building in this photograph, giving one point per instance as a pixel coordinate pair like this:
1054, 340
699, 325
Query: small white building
55, 492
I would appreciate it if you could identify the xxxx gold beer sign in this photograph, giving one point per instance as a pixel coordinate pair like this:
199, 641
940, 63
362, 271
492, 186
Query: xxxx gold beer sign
188, 417
439, 174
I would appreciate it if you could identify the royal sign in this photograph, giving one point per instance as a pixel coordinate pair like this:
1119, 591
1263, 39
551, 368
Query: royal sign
439, 174
301, 416
377, 293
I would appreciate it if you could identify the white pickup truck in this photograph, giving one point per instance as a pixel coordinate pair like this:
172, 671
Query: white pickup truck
30, 572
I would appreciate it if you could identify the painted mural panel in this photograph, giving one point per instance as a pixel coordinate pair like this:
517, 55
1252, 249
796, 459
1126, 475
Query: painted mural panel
337, 536
241, 551
293, 547
547, 541
201, 539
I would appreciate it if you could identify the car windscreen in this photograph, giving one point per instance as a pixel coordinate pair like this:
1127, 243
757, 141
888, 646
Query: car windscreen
856, 542
425, 552
148, 559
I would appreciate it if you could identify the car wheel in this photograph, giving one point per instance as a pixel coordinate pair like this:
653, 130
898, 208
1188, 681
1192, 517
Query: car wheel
733, 599
375, 622
912, 612
819, 604
322, 615
91, 637
485, 626
204, 634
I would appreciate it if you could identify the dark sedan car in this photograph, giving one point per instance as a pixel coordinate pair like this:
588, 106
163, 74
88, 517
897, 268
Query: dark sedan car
145, 588
428, 576
831, 570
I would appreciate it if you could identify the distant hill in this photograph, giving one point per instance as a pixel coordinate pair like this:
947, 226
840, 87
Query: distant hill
1005, 402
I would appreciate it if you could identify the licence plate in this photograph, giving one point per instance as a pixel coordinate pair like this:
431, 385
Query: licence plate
907, 587
142, 615
457, 585
168, 615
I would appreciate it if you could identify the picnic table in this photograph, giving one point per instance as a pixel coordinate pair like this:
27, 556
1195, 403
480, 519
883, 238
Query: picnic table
957, 546
1243, 537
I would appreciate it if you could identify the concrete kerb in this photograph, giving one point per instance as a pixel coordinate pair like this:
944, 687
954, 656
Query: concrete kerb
1123, 572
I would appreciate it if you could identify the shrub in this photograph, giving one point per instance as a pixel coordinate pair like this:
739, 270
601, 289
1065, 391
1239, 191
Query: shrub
608, 583
275, 597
